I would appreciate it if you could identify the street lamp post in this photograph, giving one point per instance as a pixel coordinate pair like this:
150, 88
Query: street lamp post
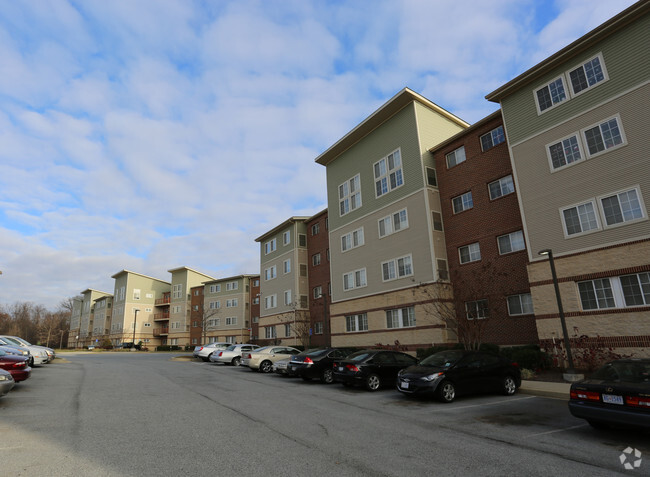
135, 321
570, 375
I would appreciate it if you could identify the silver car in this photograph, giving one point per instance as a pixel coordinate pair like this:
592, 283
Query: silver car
232, 354
50, 352
13, 349
205, 351
38, 352
7, 382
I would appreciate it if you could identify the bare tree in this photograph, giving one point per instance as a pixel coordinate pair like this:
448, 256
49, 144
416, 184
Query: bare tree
299, 324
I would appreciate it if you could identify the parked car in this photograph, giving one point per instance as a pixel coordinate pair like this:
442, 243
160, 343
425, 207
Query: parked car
39, 354
204, 351
232, 354
17, 350
372, 368
449, 374
16, 365
50, 352
317, 363
262, 359
617, 393
7, 382
281, 367
246, 357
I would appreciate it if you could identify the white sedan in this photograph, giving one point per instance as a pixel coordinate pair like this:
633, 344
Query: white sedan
232, 354
205, 351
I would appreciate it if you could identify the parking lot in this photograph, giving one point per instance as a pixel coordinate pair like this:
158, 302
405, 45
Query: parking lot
155, 413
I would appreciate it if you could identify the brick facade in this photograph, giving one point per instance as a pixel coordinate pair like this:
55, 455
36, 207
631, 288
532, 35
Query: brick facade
319, 276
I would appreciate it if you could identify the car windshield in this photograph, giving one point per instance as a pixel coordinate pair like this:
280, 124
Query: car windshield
444, 359
231, 347
359, 356
626, 371
314, 352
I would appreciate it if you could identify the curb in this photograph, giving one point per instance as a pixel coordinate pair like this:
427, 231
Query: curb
546, 389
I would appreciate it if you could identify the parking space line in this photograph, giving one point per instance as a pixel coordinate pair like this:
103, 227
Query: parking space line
492, 403
555, 431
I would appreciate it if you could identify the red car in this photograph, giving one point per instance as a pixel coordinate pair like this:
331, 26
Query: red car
16, 365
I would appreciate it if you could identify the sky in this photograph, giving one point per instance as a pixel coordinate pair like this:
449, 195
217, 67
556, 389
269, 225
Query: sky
149, 135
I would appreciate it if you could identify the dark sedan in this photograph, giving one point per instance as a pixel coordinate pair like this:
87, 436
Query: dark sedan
317, 363
618, 393
16, 365
372, 368
448, 374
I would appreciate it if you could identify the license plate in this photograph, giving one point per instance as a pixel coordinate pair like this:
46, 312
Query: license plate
405, 385
340, 368
612, 399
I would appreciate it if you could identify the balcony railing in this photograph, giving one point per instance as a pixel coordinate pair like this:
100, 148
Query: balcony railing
164, 300
164, 331
161, 316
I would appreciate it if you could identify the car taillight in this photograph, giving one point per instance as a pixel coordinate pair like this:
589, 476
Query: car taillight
516, 365
308, 361
637, 401
352, 367
201, 348
588, 395
20, 365
220, 353
248, 356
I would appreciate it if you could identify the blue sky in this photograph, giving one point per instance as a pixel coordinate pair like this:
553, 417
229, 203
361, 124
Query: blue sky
152, 134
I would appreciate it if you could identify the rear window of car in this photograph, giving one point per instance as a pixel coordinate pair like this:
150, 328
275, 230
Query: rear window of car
359, 356
629, 372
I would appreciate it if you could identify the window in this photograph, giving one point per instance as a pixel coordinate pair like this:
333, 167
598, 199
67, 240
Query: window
587, 75
520, 304
215, 288
287, 329
303, 269
455, 157
177, 291
621, 207
315, 259
356, 323
476, 309
550, 95
462, 202
388, 173
215, 305
356, 279
493, 138
270, 246
636, 289
232, 303
302, 240
470, 253
269, 332
317, 292
512, 242
230, 339
565, 152
352, 240
318, 328
400, 318
603, 136
501, 187
256, 319
350, 195
256, 282
256, 300
286, 266
443, 272
596, 294
270, 273
232, 286
393, 223
287, 297
580, 219
437, 221
315, 229
397, 268
286, 237
232, 320
136, 294
270, 301
176, 325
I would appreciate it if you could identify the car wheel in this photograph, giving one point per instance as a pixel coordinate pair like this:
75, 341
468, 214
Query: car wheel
266, 367
327, 377
598, 424
446, 391
206, 359
373, 382
509, 386
235, 361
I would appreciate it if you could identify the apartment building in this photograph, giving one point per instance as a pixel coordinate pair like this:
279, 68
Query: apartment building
196, 316
318, 271
577, 127
255, 308
388, 262
75, 321
227, 309
284, 285
484, 236
102, 320
182, 280
134, 301
89, 296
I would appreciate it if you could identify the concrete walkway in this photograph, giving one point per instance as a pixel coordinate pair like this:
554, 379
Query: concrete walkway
546, 389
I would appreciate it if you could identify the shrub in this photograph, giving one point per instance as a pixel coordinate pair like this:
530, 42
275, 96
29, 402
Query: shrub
528, 357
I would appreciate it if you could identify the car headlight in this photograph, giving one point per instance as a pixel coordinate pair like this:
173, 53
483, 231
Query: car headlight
5, 378
432, 377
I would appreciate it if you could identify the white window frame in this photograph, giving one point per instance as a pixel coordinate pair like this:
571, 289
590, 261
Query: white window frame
525, 303
317, 292
455, 157
352, 240
270, 273
502, 182
270, 301
462, 201
136, 293
617, 194
356, 323
581, 152
232, 303
231, 320
393, 223
388, 179
400, 318
215, 288
482, 312
510, 236
599, 125
316, 259
318, 328
286, 266
270, 246
496, 134
349, 194
270, 332
315, 229
393, 268
177, 290
472, 249
355, 279
567, 96
286, 237
594, 205
287, 297
582, 64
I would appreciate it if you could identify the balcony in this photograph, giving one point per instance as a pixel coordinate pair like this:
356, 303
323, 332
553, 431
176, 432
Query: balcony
164, 331
164, 300
161, 316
